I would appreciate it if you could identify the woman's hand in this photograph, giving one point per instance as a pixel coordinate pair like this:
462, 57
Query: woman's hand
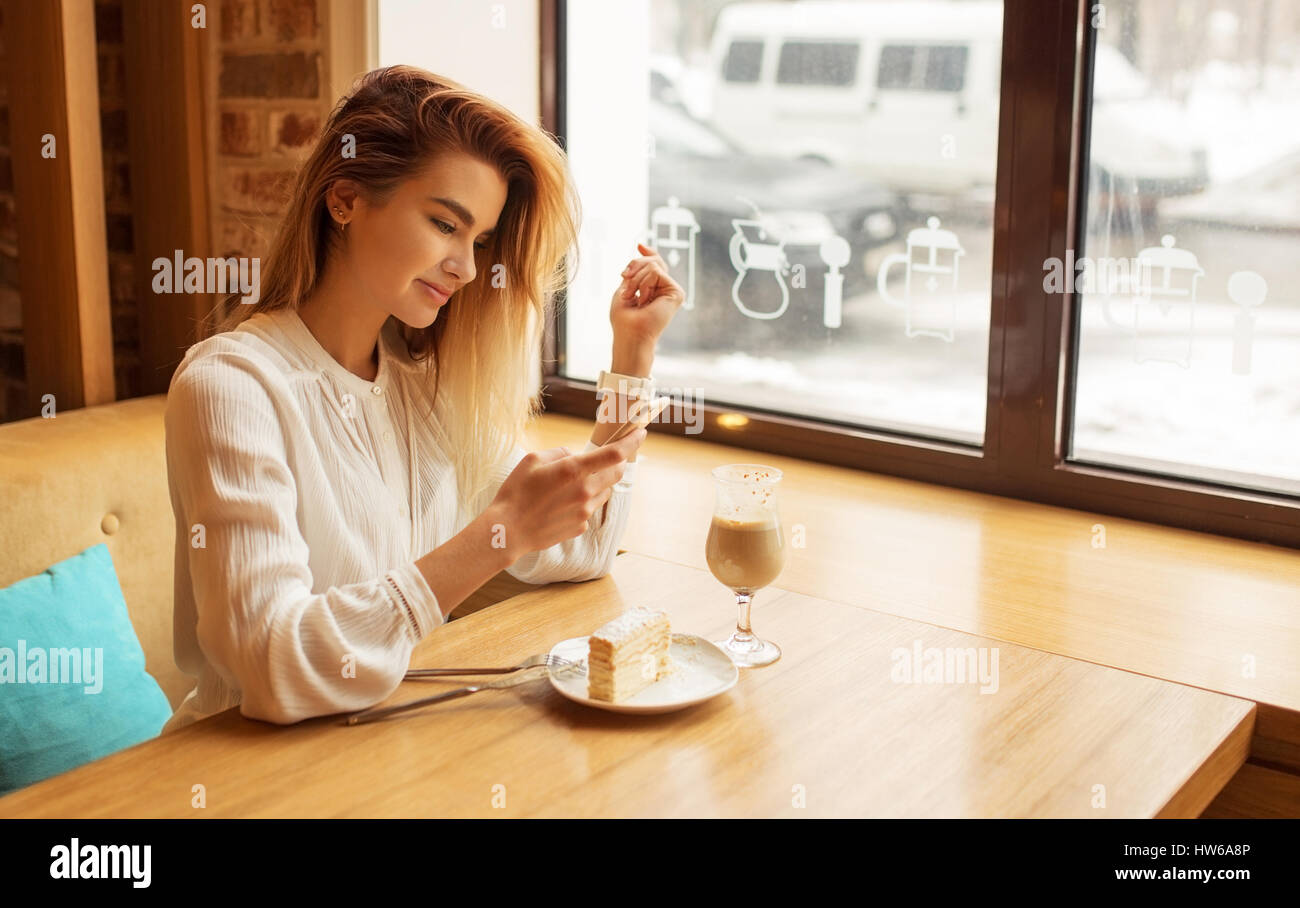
550, 496
645, 302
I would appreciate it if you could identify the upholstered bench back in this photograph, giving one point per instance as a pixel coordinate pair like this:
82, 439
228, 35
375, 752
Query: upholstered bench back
96, 474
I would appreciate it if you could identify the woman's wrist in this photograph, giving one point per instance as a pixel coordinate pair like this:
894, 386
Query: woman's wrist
496, 522
462, 564
635, 358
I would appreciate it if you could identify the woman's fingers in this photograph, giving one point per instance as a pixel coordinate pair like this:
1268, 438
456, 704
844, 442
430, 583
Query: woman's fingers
637, 266
604, 480
550, 455
631, 277
644, 279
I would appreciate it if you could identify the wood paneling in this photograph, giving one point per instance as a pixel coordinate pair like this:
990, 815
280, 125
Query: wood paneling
59, 202
166, 122
1257, 792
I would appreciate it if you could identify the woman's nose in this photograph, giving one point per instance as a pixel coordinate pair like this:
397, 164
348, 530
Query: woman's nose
462, 268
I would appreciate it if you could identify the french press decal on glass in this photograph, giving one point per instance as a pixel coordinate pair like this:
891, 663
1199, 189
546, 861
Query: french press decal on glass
929, 282
1164, 317
673, 228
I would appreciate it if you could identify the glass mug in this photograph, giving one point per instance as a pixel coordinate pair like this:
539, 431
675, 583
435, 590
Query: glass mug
745, 549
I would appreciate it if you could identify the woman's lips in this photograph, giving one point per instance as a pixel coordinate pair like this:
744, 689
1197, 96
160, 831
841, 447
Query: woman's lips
439, 296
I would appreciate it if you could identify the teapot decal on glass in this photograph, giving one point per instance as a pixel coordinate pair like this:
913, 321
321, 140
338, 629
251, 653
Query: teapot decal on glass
668, 223
929, 284
754, 252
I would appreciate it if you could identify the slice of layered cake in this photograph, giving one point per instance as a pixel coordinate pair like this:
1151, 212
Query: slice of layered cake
628, 654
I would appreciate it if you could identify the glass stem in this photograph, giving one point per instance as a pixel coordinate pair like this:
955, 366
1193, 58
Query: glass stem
742, 624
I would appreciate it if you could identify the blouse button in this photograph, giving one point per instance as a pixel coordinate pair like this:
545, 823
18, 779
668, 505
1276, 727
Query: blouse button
388, 436
377, 390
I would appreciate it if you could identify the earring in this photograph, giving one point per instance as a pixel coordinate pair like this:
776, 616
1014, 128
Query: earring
342, 224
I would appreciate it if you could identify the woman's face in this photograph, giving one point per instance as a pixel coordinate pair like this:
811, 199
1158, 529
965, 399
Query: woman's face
428, 236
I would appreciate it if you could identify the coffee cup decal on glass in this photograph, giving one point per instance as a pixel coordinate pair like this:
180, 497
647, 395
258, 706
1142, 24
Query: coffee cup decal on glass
746, 549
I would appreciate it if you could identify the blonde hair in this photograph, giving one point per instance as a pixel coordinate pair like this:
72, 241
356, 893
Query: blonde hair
480, 349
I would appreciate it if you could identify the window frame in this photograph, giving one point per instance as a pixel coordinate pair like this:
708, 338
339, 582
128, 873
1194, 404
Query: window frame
1047, 49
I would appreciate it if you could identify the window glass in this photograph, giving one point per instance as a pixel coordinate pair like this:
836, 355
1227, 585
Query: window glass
817, 63
896, 67
744, 61
945, 68
1188, 325
924, 68
834, 240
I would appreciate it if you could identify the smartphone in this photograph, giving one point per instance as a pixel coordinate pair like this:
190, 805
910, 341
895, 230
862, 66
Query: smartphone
641, 414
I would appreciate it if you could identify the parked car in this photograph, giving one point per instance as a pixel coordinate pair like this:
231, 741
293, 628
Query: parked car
752, 209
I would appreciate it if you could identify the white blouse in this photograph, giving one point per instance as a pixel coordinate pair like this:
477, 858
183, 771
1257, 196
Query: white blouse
299, 519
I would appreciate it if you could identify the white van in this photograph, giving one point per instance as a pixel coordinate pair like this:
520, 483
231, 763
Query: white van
907, 93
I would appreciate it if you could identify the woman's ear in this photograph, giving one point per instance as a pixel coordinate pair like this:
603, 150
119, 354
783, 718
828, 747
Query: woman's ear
342, 195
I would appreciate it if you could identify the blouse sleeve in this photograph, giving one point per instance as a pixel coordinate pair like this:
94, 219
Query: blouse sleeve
583, 557
291, 653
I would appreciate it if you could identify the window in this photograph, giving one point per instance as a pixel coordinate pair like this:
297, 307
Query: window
906, 67
744, 61
945, 69
896, 66
1085, 304
837, 261
817, 63
1187, 359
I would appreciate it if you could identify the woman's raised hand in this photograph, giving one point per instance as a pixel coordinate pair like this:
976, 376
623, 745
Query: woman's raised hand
550, 496
646, 301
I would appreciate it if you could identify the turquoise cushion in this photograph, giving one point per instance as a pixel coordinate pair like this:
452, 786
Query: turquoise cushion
72, 682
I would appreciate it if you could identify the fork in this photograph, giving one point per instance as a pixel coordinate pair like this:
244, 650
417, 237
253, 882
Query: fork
530, 662
528, 674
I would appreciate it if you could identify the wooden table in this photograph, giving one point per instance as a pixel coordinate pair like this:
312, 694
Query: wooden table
825, 731
1193, 608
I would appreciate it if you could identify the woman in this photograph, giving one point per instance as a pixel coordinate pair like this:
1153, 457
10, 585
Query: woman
343, 455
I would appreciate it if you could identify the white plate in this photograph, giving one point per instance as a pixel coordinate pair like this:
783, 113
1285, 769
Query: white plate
699, 672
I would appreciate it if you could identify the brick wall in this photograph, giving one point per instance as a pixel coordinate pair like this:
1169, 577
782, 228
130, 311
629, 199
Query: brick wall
272, 98
269, 96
